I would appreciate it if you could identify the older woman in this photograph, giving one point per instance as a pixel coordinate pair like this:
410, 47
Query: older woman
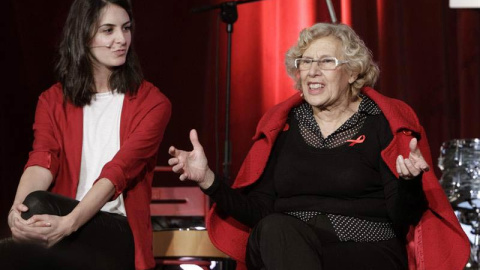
334, 178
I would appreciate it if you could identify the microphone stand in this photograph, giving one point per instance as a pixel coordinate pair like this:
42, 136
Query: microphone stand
229, 15
331, 11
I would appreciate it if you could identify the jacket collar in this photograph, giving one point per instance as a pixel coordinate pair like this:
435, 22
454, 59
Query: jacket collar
276, 117
400, 116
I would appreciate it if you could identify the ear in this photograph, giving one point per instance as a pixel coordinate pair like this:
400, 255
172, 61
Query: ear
353, 77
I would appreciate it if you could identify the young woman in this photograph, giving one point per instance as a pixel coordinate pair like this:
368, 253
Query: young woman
85, 190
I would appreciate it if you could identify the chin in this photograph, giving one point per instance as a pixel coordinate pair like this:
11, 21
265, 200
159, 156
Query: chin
315, 101
117, 64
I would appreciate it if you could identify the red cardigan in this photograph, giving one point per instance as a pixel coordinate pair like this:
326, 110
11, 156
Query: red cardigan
58, 132
437, 242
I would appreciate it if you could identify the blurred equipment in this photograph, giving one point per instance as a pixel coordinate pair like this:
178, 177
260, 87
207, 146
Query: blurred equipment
464, 4
460, 164
180, 238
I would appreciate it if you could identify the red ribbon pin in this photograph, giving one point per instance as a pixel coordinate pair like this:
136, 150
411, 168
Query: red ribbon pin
360, 139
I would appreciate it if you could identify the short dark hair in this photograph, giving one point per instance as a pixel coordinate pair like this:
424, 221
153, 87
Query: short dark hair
74, 67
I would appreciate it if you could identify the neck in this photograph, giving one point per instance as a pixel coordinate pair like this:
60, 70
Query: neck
334, 111
331, 118
101, 77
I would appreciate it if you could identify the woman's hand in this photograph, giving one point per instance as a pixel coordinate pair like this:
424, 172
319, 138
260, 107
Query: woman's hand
33, 178
412, 166
15, 213
23, 230
192, 165
52, 228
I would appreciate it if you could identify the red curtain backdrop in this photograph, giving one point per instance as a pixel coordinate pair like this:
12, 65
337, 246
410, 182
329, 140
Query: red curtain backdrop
429, 56
262, 35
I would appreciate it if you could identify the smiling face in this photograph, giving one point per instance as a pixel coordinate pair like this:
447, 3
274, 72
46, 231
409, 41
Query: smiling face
324, 89
111, 41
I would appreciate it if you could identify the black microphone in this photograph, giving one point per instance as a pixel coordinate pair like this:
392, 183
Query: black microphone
221, 5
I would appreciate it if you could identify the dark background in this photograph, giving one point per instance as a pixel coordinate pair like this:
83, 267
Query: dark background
429, 55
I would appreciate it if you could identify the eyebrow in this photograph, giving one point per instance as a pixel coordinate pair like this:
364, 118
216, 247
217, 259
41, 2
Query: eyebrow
321, 56
112, 25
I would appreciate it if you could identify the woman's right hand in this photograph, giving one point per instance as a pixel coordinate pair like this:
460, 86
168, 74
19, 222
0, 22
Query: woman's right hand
15, 212
192, 165
22, 230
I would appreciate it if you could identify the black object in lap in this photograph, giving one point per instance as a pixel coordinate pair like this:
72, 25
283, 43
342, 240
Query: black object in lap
104, 242
43, 202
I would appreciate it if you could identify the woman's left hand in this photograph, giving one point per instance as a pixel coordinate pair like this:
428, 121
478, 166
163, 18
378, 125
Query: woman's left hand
57, 227
412, 166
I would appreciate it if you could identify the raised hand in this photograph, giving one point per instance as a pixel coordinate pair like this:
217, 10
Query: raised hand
412, 166
191, 165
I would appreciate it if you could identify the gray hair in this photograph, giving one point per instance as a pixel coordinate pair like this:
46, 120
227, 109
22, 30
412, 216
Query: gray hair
354, 49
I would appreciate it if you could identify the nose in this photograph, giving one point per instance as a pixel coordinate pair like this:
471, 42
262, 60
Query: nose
314, 69
120, 37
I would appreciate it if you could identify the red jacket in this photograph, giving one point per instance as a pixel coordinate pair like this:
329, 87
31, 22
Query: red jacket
437, 242
58, 132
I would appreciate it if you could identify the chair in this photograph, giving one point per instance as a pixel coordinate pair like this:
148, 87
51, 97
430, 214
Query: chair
187, 242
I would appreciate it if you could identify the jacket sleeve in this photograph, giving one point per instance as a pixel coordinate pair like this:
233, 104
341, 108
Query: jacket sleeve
46, 147
249, 205
138, 149
405, 199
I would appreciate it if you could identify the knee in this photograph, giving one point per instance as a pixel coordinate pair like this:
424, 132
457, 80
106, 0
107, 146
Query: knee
37, 203
276, 225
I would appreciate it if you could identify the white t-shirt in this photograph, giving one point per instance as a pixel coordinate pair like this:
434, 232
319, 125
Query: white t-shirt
101, 141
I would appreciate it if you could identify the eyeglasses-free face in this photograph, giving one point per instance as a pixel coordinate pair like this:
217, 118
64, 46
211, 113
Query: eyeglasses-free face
112, 39
327, 63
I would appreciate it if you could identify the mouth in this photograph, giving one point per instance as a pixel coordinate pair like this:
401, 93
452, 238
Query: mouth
316, 86
120, 52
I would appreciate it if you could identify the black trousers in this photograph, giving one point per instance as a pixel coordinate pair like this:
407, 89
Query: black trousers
283, 242
104, 242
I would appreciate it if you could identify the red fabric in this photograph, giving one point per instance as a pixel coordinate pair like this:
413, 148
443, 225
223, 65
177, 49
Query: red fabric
264, 31
437, 242
58, 131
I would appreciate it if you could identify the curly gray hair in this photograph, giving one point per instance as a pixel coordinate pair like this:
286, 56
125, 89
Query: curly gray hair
354, 49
